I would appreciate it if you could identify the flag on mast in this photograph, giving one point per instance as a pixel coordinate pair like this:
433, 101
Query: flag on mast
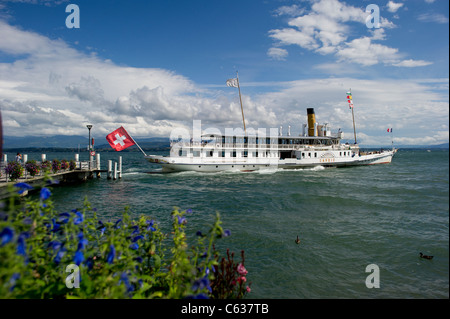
119, 139
232, 83
349, 99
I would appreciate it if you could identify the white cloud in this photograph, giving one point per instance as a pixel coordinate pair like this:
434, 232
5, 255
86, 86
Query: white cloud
292, 10
393, 7
325, 29
412, 63
433, 17
363, 51
277, 53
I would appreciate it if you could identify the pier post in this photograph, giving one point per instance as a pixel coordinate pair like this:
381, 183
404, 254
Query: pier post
77, 161
109, 169
5, 158
115, 170
98, 165
43, 157
98, 161
25, 160
120, 167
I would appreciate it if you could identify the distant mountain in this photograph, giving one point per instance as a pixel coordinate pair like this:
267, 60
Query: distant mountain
63, 141
152, 143
75, 142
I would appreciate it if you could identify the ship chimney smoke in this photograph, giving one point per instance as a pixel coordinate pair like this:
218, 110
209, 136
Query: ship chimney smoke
311, 122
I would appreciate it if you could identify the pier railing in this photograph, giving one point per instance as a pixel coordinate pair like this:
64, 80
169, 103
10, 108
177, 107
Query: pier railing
91, 165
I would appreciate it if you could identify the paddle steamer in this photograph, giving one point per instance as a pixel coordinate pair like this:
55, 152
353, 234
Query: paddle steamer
316, 146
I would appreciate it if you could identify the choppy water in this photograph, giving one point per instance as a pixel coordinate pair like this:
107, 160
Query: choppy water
345, 218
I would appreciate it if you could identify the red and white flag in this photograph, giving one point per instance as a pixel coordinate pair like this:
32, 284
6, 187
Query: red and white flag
120, 139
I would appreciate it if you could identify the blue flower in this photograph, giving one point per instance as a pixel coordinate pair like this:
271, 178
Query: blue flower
79, 218
56, 226
199, 296
181, 220
82, 244
59, 255
188, 211
90, 263
55, 245
52, 182
135, 239
102, 227
116, 225
6, 235
21, 247
79, 257
45, 193
111, 255
150, 225
134, 246
124, 279
64, 218
23, 187
201, 283
226, 233
13, 280
135, 229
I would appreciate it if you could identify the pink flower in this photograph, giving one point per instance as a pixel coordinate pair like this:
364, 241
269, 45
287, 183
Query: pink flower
248, 289
242, 279
241, 270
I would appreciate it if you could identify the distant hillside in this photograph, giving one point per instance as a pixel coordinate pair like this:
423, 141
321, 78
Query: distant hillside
75, 142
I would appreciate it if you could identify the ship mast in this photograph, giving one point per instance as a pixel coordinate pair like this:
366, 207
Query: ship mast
235, 83
240, 99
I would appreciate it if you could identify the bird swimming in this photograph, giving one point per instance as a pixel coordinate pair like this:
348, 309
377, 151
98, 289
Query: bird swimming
297, 241
425, 256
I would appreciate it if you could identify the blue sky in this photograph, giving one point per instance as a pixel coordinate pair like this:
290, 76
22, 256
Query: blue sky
153, 66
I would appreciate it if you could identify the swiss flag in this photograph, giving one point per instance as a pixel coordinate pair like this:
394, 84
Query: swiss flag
120, 139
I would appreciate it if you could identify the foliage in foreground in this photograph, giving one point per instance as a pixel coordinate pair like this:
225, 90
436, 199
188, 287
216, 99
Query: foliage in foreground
40, 250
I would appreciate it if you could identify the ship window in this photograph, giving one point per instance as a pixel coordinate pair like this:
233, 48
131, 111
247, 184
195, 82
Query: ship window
196, 153
223, 153
340, 153
315, 154
245, 154
234, 153
255, 154
309, 154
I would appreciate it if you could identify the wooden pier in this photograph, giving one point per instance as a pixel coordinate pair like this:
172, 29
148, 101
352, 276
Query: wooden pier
83, 171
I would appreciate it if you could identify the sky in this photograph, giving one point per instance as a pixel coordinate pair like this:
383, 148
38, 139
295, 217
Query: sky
155, 66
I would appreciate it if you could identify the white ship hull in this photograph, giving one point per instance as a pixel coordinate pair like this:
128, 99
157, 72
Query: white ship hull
317, 147
178, 164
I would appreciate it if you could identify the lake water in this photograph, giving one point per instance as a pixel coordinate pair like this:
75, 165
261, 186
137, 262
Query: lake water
346, 219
